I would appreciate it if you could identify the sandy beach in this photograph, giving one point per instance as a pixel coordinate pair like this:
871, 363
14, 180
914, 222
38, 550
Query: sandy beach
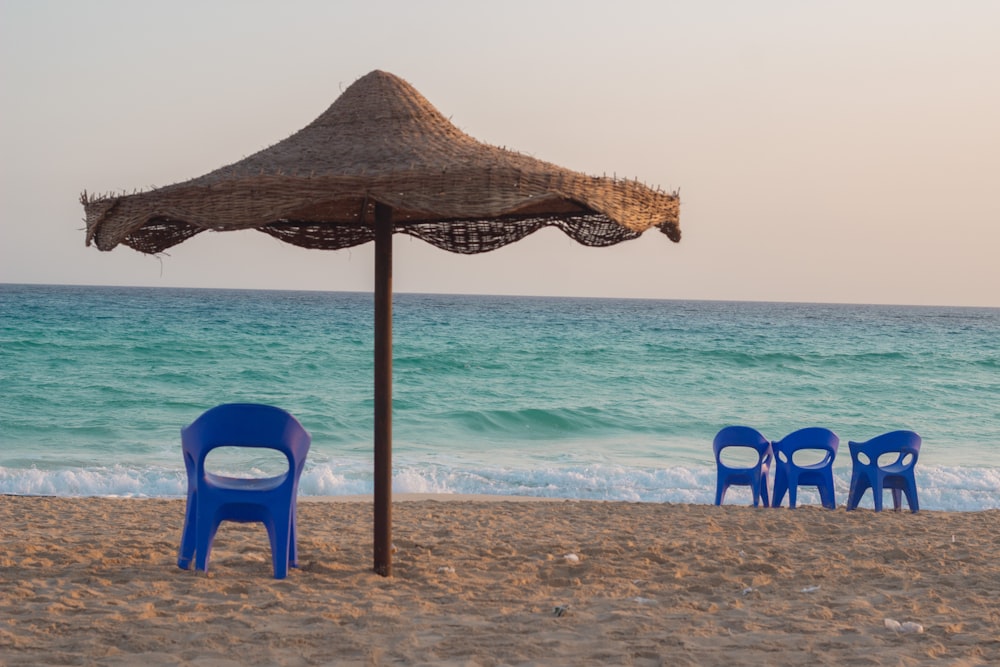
93, 581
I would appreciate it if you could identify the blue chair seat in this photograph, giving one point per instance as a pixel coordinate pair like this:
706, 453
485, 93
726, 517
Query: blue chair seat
755, 475
789, 475
214, 498
252, 484
897, 476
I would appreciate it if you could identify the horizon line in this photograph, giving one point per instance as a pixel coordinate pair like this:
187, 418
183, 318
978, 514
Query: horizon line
500, 295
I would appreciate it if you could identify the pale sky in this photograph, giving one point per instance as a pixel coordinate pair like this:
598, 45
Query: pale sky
825, 151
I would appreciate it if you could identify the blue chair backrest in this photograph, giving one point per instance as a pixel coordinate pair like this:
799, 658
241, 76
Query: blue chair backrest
812, 437
740, 436
904, 443
245, 425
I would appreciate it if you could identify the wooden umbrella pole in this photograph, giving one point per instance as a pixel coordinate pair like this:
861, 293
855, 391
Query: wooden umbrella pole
383, 390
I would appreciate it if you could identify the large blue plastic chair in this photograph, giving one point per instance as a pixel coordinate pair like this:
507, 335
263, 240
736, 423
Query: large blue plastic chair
789, 475
868, 473
754, 476
213, 498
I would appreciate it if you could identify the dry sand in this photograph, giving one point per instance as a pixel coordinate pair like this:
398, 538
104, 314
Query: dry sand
477, 582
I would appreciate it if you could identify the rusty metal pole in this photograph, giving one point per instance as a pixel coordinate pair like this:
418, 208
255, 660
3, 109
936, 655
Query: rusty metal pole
383, 390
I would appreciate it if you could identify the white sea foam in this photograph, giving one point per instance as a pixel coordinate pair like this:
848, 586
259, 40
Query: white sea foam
114, 481
947, 489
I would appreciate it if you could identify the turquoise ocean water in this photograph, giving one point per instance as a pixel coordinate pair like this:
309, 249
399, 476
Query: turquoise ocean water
575, 398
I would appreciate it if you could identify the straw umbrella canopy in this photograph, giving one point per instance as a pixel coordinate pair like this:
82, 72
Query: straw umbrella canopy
382, 160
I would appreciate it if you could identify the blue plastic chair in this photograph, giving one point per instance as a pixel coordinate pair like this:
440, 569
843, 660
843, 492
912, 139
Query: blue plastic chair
868, 473
789, 475
754, 476
213, 499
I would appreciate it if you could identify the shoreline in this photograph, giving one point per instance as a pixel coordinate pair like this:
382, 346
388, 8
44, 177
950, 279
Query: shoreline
479, 580
439, 497
500, 498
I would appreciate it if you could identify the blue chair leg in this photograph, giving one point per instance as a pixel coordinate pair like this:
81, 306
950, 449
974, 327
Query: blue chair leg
897, 499
858, 487
205, 534
293, 551
188, 539
278, 532
877, 497
720, 492
780, 486
852, 495
792, 493
826, 493
910, 491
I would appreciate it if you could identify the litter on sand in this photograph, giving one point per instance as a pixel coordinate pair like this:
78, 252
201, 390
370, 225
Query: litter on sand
909, 627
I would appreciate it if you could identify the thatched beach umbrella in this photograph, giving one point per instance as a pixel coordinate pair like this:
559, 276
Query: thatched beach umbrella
383, 160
